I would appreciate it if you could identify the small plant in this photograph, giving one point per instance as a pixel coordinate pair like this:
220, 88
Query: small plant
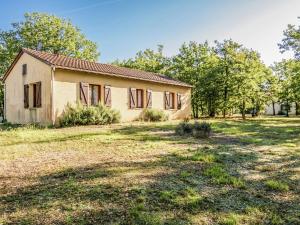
220, 176
153, 115
277, 185
203, 157
92, 115
201, 130
198, 130
184, 128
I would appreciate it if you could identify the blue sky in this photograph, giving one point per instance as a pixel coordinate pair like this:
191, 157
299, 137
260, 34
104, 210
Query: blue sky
123, 27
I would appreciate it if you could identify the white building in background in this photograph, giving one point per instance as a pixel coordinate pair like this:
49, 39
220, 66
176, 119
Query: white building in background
280, 109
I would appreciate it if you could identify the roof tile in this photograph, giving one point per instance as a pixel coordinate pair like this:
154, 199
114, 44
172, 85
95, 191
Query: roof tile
64, 62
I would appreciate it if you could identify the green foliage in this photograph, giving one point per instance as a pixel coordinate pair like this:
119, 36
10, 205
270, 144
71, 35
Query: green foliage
277, 185
288, 75
93, 115
153, 115
201, 130
198, 130
226, 77
47, 33
291, 40
147, 60
184, 128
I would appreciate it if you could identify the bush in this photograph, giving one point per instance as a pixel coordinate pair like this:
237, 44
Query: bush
198, 130
184, 128
201, 130
153, 115
92, 115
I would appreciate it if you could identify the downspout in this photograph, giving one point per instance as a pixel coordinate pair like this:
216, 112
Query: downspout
51, 96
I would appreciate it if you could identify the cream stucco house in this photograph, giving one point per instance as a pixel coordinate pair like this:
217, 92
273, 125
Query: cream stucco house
38, 86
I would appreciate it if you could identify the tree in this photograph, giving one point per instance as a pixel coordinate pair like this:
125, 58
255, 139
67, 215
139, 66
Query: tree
197, 64
288, 73
291, 40
147, 60
231, 65
47, 33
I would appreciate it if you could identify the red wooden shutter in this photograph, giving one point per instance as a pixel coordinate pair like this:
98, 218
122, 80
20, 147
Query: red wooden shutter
149, 99
167, 100
107, 96
39, 94
132, 98
26, 96
179, 101
84, 90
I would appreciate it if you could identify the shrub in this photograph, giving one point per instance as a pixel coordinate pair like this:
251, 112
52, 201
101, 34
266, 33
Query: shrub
201, 130
153, 115
92, 115
198, 130
184, 128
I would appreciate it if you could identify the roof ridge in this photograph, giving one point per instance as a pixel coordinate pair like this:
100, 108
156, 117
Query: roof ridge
69, 62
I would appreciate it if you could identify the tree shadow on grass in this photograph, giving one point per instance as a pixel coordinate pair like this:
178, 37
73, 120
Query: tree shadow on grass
168, 189
177, 192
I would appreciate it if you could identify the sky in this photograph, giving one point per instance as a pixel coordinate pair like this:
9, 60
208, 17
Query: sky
122, 27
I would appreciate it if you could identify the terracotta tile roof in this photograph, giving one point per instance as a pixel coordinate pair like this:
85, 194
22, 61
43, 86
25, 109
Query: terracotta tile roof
64, 62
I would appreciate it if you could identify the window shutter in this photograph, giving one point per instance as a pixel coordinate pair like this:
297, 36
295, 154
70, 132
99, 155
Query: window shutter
84, 89
132, 98
39, 94
149, 99
179, 101
26, 96
167, 100
24, 69
107, 96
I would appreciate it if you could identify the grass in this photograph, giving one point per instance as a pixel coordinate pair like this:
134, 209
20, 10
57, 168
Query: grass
248, 172
277, 185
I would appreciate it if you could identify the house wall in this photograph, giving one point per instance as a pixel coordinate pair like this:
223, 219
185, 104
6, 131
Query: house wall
277, 106
14, 92
66, 90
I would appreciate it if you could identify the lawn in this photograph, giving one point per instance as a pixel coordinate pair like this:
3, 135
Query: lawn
248, 172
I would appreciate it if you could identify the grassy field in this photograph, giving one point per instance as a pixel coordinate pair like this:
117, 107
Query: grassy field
248, 172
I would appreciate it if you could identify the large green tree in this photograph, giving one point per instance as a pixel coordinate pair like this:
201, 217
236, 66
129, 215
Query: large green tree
291, 40
288, 73
197, 64
148, 60
47, 33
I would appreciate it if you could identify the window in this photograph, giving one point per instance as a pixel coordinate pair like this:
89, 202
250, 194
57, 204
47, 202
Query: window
94, 94
139, 98
37, 98
24, 69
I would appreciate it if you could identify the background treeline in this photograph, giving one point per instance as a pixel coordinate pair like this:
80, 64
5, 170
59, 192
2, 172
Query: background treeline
227, 78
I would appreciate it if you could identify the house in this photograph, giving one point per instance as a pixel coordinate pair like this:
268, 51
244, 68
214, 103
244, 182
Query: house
38, 86
280, 108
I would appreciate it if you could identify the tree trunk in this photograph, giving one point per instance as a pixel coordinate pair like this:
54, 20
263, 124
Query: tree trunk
287, 108
243, 111
225, 101
273, 105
